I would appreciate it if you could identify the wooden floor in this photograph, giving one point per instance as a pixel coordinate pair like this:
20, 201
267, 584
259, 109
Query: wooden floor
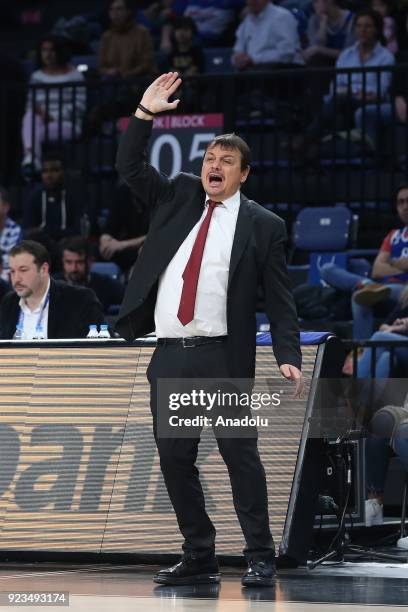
330, 588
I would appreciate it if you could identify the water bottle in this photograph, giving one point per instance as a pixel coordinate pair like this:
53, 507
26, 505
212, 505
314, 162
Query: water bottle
104, 332
93, 332
19, 334
39, 334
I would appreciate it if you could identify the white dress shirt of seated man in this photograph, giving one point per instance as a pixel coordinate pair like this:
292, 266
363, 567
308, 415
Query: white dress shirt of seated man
267, 35
30, 278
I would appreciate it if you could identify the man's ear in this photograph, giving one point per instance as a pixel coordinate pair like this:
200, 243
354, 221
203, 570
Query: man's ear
245, 174
45, 268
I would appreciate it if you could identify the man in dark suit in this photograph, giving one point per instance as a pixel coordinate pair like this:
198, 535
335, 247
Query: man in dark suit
44, 307
195, 282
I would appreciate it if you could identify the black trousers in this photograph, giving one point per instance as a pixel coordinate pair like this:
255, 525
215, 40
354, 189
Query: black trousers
178, 457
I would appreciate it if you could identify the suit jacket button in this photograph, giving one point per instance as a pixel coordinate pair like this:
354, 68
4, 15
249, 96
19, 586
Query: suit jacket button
140, 301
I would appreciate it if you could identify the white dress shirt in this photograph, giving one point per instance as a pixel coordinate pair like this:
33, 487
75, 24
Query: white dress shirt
371, 82
269, 37
31, 317
210, 314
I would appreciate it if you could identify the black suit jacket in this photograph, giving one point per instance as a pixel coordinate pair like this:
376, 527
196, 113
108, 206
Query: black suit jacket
257, 258
71, 310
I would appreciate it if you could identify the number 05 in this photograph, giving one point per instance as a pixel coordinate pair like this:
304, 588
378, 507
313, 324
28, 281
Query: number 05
198, 140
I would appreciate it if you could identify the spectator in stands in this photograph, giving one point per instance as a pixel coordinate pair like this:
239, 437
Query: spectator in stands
10, 232
76, 264
366, 52
125, 229
41, 304
393, 329
52, 113
351, 95
388, 113
388, 363
268, 36
385, 8
329, 31
56, 205
215, 20
185, 57
126, 49
388, 430
153, 15
389, 273
126, 54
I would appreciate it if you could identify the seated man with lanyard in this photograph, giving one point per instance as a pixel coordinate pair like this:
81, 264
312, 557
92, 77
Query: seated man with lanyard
40, 306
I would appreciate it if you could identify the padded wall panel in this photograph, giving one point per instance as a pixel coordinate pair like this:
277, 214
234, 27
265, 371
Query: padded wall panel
78, 466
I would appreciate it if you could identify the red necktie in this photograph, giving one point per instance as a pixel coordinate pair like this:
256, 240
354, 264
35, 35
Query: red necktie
191, 272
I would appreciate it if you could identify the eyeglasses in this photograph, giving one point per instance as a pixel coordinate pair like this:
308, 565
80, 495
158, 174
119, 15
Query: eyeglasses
402, 201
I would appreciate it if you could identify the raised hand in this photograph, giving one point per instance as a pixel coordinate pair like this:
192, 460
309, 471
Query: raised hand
156, 97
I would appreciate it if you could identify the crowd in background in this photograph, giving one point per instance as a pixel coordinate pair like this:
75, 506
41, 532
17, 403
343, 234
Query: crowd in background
131, 41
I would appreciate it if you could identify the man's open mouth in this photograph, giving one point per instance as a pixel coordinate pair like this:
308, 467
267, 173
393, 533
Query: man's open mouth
215, 179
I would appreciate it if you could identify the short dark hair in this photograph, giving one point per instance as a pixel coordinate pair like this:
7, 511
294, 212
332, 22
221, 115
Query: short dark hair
53, 155
232, 141
400, 187
76, 244
184, 23
62, 48
129, 4
376, 19
37, 250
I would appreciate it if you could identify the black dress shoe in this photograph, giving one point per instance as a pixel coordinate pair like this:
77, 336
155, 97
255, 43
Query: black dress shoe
259, 573
190, 570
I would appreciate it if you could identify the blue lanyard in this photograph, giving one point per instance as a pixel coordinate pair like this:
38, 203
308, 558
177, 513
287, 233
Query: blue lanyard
38, 327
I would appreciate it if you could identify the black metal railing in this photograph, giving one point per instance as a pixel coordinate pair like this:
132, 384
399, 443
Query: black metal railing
398, 366
316, 137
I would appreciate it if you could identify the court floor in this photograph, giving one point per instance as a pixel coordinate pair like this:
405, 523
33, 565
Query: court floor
118, 588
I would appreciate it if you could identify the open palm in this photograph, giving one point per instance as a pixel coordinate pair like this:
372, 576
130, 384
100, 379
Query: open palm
156, 97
